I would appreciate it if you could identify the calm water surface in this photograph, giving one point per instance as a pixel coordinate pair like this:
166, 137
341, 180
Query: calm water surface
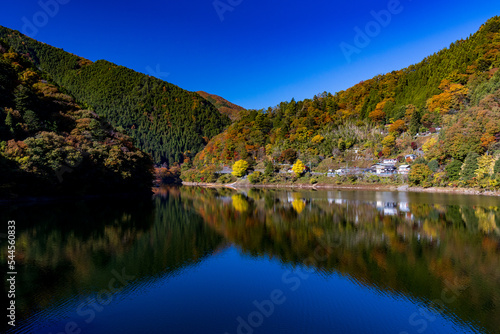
194, 260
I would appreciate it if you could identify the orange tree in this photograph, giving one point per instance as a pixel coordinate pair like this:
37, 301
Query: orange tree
419, 175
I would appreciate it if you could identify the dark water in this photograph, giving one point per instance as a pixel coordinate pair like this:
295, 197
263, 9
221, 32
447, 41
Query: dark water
195, 260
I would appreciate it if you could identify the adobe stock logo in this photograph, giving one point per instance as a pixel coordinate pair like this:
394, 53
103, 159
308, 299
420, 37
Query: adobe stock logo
371, 30
49, 9
222, 7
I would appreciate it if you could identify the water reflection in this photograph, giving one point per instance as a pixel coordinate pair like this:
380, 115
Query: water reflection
438, 251
416, 245
69, 252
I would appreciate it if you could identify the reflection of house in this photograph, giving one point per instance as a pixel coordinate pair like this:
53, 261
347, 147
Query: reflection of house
390, 211
336, 201
404, 169
404, 206
388, 208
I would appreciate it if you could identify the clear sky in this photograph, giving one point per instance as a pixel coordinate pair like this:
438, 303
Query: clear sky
255, 53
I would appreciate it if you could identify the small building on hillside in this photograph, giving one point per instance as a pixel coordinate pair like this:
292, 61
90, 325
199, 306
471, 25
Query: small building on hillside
384, 168
404, 169
410, 157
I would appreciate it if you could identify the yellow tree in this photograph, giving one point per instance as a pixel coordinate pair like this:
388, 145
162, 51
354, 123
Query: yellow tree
378, 115
298, 168
240, 168
429, 145
485, 165
389, 141
29, 77
452, 97
398, 127
317, 139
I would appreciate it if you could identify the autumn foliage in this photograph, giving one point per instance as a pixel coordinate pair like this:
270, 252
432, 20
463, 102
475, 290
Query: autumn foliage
240, 168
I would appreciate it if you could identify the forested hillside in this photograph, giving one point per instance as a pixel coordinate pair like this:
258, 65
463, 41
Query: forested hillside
227, 108
455, 89
166, 121
50, 146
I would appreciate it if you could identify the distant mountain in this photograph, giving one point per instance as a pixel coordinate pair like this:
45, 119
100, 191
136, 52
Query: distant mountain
379, 117
227, 108
166, 121
49, 145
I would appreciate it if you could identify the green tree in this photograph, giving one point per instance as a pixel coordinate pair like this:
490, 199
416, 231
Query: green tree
453, 170
10, 122
496, 168
255, 177
32, 120
470, 166
240, 168
270, 169
414, 121
420, 160
433, 165
25, 99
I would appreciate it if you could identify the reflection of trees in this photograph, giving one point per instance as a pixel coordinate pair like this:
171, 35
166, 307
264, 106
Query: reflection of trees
73, 248
240, 204
420, 252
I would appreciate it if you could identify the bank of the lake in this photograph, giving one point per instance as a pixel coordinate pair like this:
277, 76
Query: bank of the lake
374, 187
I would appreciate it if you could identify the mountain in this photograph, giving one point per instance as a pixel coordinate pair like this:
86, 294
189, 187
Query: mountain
379, 117
49, 145
227, 108
166, 121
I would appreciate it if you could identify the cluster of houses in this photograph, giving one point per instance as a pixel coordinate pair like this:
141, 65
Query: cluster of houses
388, 166
384, 168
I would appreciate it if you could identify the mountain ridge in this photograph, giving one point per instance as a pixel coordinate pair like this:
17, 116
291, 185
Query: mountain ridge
170, 123
225, 107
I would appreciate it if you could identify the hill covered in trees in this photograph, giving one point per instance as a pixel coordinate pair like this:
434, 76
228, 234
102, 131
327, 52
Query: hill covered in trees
227, 108
166, 121
49, 145
446, 106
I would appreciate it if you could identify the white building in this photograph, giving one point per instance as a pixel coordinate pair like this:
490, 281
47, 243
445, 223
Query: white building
404, 169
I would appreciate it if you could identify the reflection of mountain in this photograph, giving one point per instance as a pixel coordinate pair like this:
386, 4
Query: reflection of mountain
420, 248
72, 248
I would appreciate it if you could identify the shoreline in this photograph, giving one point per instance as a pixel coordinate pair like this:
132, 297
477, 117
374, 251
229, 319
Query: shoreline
245, 185
374, 187
61, 198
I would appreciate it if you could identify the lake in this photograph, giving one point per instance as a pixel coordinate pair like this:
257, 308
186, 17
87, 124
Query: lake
200, 260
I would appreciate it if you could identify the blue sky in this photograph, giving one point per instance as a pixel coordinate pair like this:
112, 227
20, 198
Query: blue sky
255, 53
